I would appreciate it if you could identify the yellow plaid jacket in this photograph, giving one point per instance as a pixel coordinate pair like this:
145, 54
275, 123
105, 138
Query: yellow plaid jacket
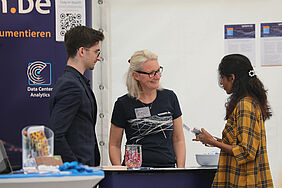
249, 166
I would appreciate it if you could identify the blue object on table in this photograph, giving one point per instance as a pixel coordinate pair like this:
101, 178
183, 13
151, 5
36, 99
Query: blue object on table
75, 167
7, 176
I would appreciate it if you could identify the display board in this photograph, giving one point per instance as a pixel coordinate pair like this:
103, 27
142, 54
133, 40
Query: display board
32, 58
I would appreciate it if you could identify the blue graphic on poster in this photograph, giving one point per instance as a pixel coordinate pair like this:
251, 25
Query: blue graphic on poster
239, 31
271, 29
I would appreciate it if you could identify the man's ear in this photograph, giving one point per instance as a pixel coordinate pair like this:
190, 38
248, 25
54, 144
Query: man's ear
80, 51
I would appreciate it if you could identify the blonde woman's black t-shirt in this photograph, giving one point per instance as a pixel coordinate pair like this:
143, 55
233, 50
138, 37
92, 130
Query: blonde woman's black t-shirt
154, 131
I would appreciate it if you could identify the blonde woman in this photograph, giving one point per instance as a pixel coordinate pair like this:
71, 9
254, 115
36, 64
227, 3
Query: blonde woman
149, 115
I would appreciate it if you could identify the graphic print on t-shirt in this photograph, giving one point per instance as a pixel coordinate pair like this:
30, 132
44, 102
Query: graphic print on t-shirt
151, 125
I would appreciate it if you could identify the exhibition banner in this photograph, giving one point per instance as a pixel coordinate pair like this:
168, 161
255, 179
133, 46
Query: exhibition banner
32, 58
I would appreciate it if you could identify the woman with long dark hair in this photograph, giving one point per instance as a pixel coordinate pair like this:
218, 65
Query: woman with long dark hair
243, 158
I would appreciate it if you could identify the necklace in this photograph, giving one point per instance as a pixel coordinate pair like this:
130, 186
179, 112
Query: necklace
147, 105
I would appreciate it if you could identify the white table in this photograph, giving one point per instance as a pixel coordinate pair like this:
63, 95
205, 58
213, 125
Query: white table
51, 180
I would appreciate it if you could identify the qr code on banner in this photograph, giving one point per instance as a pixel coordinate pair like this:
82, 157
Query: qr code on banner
68, 21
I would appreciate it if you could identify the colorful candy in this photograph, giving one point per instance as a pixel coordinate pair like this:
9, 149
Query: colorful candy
39, 143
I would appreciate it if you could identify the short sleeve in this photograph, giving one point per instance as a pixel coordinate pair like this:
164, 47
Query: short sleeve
118, 115
177, 110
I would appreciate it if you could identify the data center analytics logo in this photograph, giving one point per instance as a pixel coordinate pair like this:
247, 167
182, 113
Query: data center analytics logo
39, 73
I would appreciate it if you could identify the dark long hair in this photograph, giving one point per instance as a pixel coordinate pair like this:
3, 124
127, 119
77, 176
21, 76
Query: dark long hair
245, 84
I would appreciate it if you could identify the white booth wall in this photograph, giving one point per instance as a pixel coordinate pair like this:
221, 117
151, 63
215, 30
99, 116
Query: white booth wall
188, 37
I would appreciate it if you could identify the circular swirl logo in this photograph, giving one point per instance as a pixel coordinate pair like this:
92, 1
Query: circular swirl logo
34, 72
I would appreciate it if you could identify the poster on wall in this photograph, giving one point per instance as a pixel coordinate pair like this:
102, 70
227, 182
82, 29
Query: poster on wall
68, 15
31, 62
240, 39
271, 44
